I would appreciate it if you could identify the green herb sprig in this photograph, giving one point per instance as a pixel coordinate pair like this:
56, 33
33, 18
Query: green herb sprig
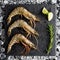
51, 33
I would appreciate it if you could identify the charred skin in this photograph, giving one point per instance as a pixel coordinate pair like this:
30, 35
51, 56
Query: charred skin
24, 25
21, 38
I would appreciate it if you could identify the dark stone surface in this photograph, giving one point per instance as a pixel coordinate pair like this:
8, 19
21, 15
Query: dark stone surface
41, 27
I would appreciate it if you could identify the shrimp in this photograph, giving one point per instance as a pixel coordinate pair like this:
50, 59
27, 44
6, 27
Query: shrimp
21, 38
22, 11
24, 25
27, 48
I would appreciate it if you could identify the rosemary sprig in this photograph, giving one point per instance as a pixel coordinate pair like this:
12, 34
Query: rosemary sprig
51, 33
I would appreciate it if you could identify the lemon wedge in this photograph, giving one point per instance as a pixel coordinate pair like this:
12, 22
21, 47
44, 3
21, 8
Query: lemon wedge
50, 16
44, 11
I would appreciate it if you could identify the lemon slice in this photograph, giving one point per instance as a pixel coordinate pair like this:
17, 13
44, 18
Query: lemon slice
44, 11
50, 16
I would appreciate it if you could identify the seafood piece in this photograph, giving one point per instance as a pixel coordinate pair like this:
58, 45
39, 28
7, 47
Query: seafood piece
24, 25
27, 49
21, 38
22, 11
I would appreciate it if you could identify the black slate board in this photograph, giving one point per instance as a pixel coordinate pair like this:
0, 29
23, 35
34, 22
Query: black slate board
41, 27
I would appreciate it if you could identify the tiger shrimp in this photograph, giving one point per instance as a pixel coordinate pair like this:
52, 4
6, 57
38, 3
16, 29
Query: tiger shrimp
22, 11
25, 42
